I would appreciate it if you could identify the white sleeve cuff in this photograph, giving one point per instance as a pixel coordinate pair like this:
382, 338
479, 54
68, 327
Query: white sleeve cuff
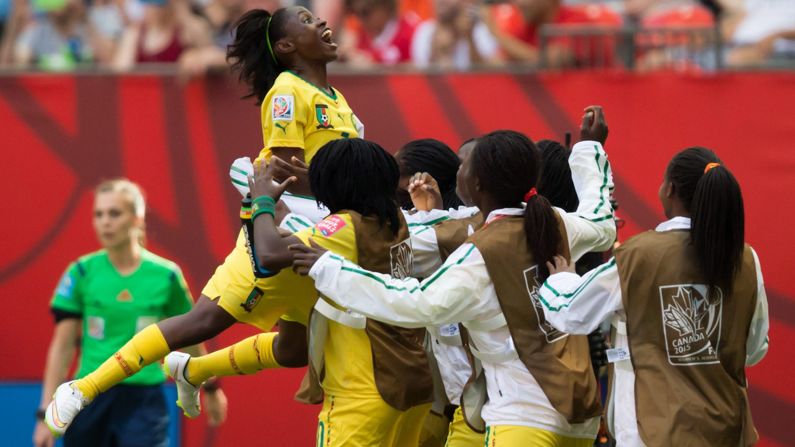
325, 265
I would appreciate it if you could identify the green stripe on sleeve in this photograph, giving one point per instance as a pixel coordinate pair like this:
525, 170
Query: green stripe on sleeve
573, 295
240, 171
377, 279
238, 182
441, 271
302, 221
604, 180
429, 223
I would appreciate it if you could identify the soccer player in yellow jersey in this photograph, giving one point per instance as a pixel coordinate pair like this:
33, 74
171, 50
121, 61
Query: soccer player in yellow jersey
357, 180
305, 114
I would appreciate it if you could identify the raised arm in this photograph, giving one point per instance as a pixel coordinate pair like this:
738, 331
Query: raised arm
592, 226
272, 245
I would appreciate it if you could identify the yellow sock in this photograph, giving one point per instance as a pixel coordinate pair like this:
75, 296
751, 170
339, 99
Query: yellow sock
245, 357
144, 348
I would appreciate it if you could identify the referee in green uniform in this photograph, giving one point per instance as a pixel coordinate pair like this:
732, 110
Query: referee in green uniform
102, 300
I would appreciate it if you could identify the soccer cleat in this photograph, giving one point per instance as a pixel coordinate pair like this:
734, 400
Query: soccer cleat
66, 403
187, 394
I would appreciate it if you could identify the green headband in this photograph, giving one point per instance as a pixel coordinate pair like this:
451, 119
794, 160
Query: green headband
268, 40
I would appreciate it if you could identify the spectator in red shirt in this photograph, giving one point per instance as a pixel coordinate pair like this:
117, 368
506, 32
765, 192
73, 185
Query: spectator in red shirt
516, 26
380, 34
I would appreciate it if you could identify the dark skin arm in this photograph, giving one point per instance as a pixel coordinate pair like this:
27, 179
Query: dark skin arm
272, 245
305, 257
289, 162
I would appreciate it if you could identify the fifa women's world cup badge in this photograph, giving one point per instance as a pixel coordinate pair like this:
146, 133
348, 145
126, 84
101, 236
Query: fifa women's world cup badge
323, 120
691, 323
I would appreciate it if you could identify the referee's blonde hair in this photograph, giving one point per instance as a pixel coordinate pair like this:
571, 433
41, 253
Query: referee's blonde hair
135, 198
131, 190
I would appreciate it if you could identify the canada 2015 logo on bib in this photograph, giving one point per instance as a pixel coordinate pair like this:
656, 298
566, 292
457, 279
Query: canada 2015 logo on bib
691, 323
401, 259
283, 106
531, 282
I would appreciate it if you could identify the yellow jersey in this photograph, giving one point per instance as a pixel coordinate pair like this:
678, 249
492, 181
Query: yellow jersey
299, 114
347, 353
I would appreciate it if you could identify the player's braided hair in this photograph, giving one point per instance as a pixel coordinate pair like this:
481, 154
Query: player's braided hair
435, 158
357, 175
507, 165
717, 214
249, 54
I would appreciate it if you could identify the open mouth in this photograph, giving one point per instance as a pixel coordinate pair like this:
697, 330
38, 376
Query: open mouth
326, 36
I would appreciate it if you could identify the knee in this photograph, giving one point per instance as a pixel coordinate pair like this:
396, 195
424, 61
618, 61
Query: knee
290, 354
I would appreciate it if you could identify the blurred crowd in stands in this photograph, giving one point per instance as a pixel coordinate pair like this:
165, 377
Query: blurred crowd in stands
62, 35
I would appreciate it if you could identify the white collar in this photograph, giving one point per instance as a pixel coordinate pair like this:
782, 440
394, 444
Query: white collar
504, 212
677, 223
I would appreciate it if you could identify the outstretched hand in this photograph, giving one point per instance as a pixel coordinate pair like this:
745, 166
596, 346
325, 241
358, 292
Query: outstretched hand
594, 126
304, 257
216, 404
559, 264
425, 193
262, 183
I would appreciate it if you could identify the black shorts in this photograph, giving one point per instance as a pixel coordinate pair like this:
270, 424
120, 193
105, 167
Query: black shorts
123, 416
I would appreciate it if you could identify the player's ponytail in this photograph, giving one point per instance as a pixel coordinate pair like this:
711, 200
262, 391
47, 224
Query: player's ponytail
711, 194
253, 54
507, 165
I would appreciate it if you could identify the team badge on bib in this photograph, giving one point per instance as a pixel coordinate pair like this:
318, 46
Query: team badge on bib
691, 323
283, 106
401, 259
330, 225
531, 282
323, 120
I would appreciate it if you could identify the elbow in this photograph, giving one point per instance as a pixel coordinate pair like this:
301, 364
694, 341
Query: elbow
274, 261
608, 237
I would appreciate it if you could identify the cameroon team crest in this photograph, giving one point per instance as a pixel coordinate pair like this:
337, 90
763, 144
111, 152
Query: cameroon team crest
531, 282
323, 120
692, 323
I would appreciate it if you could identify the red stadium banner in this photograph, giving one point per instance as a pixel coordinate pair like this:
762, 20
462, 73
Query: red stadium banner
63, 134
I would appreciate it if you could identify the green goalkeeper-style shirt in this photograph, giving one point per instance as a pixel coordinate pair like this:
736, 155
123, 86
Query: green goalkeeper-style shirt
116, 307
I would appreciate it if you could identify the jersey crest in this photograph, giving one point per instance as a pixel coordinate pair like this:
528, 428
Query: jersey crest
283, 106
323, 120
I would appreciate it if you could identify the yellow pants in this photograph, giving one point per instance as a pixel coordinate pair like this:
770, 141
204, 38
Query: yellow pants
518, 436
460, 435
368, 422
434, 430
